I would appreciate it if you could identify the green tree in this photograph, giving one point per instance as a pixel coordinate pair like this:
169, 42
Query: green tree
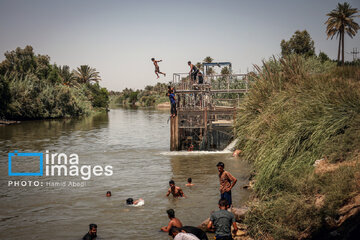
20, 62
300, 43
208, 59
67, 77
99, 96
199, 66
210, 70
225, 71
4, 96
133, 97
86, 74
341, 20
323, 57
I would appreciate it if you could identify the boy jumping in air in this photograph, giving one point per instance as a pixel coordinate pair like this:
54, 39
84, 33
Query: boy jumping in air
157, 69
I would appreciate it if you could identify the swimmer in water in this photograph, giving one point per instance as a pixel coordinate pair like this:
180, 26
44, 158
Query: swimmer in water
138, 202
190, 184
174, 222
191, 148
92, 232
108, 194
174, 190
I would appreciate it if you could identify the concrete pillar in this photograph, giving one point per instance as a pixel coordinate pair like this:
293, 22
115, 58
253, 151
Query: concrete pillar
174, 134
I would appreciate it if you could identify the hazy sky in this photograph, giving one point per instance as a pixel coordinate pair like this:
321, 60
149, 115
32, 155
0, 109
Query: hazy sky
118, 38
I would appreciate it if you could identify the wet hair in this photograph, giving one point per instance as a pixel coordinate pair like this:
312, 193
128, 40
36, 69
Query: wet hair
189, 62
152, 59
92, 225
189, 180
171, 213
220, 164
223, 202
108, 192
171, 182
173, 230
129, 201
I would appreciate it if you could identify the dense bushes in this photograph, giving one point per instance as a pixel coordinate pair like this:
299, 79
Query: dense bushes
297, 111
148, 97
31, 87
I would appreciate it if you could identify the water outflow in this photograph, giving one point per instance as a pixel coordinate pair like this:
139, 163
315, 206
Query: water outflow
231, 146
228, 149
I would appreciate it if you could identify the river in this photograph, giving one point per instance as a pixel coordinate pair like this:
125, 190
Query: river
136, 144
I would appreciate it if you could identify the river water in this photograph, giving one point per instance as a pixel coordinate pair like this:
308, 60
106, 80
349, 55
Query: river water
136, 144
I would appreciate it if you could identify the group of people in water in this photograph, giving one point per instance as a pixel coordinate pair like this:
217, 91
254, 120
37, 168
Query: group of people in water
220, 222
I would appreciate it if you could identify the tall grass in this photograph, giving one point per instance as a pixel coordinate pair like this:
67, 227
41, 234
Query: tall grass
297, 111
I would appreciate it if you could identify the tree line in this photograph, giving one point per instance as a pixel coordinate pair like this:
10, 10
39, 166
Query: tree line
341, 21
32, 88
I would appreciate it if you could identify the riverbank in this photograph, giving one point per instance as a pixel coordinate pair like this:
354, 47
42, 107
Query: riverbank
300, 112
150, 96
33, 88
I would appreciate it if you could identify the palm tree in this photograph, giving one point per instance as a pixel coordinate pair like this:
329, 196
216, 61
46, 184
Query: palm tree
209, 70
199, 66
341, 20
208, 59
86, 74
65, 74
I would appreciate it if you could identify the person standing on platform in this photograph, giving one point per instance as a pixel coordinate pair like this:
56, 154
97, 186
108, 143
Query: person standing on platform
193, 71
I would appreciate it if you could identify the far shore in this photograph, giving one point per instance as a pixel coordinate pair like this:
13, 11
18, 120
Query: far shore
165, 105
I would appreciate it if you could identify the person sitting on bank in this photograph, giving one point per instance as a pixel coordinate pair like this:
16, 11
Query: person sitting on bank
222, 220
189, 184
174, 222
92, 232
193, 71
177, 234
175, 190
200, 234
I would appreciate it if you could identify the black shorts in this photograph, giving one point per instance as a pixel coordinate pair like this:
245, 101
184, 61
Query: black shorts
194, 74
173, 108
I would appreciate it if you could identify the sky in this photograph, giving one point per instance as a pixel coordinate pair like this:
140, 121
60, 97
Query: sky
119, 38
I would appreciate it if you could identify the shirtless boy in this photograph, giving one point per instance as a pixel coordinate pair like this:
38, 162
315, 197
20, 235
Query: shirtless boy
190, 184
227, 182
157, 69
174, 190
174, 222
